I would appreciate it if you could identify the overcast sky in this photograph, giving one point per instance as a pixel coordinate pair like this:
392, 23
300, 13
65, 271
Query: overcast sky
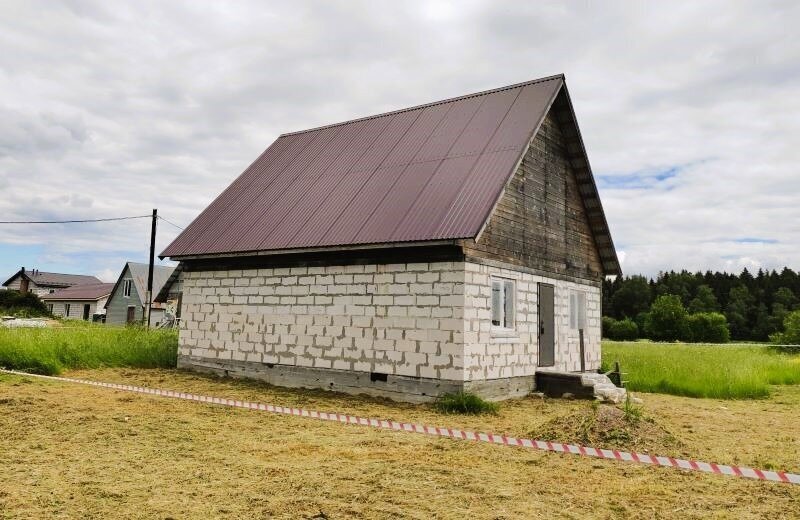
690, 112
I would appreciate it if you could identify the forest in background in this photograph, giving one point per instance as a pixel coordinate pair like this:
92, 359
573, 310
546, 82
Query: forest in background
754, 307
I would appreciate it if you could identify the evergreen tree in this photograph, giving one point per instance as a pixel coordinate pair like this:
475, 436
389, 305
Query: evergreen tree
739, 302
762, 326
632, 298
755, 306
704, 301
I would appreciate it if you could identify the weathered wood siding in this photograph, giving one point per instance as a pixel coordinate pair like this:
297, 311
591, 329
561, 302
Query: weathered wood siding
540, 221
117, 310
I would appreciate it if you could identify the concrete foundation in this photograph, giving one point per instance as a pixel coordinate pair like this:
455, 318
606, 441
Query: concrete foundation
397, 388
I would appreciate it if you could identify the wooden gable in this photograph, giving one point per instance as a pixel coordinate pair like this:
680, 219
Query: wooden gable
541, 221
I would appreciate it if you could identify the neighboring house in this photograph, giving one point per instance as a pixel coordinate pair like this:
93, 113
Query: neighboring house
171, 294
81, 302
127, 302
458, 245
41, 283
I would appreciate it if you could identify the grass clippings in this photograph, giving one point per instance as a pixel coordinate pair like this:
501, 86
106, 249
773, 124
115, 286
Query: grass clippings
76, 451
609, 427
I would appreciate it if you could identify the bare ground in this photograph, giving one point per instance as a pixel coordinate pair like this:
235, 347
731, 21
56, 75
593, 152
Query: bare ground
75, 451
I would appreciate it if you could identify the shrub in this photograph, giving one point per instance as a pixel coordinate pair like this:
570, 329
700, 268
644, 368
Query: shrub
607, 323
465, 403
708, 327
624, 330
25, 305
667, 319
791, 330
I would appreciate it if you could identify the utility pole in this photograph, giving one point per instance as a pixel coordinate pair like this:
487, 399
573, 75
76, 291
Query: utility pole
149, 298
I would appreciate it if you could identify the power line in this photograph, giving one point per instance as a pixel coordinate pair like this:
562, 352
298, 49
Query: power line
170, 223
72, 221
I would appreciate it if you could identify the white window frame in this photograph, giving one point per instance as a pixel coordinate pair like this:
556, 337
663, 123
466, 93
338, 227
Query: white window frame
126, 288
66, 310
507, 299
577, 309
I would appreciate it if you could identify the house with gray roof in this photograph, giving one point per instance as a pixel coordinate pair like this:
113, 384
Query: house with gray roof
41, 283
454, 246
127, 302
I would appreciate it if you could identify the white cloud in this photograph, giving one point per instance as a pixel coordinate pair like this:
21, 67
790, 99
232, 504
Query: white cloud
113, 110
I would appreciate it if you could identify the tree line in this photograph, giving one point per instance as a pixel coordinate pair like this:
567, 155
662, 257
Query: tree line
708, 306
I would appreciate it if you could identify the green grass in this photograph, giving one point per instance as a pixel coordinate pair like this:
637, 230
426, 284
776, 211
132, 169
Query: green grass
465, 403
50, 351
714, 371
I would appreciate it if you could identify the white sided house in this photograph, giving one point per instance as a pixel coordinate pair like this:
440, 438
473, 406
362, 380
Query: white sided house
41, 283
458, 245
80, 302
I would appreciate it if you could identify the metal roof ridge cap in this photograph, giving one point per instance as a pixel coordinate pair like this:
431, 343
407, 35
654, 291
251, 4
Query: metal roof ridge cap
430, 104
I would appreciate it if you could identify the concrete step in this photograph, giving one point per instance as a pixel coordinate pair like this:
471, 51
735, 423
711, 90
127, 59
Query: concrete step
586, 385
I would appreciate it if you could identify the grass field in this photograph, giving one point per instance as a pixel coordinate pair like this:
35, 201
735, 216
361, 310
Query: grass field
718, 371
52, 350
75, 451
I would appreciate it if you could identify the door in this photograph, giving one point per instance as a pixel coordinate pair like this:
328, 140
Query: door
86, 309
131, 314
547, 336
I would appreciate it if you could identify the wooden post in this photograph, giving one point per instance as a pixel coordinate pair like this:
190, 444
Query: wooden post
149, 296
583, 351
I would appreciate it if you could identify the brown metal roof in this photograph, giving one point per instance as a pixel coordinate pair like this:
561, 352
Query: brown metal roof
424, 173
431, 172
54, 279
94, 291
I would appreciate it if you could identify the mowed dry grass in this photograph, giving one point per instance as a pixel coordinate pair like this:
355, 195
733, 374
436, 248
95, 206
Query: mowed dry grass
75, 451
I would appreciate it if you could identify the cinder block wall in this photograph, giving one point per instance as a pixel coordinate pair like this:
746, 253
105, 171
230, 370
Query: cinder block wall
417, 320
398, 319
489, 355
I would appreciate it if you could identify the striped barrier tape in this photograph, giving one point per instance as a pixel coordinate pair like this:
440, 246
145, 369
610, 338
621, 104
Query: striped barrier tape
642, 458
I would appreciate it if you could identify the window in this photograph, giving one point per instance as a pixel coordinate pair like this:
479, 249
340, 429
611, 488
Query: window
50, 308
66, 310
52, 291
503, 296
126, 288
577, 310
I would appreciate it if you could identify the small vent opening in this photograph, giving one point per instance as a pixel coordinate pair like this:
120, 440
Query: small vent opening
377, 376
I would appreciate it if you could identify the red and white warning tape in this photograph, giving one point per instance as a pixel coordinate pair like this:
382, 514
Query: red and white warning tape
692, 465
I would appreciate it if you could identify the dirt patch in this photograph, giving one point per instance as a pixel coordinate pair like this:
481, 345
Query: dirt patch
605, 426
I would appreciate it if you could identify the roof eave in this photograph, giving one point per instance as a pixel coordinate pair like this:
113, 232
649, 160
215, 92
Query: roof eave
98, 298
609, 259
353, 247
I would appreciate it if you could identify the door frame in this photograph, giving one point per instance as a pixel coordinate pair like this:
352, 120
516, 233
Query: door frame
130, 317
541, 324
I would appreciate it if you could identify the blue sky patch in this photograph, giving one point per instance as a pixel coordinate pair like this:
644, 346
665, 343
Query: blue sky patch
754, 240
644, 179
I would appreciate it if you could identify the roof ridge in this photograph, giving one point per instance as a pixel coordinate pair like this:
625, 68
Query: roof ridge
426, 105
